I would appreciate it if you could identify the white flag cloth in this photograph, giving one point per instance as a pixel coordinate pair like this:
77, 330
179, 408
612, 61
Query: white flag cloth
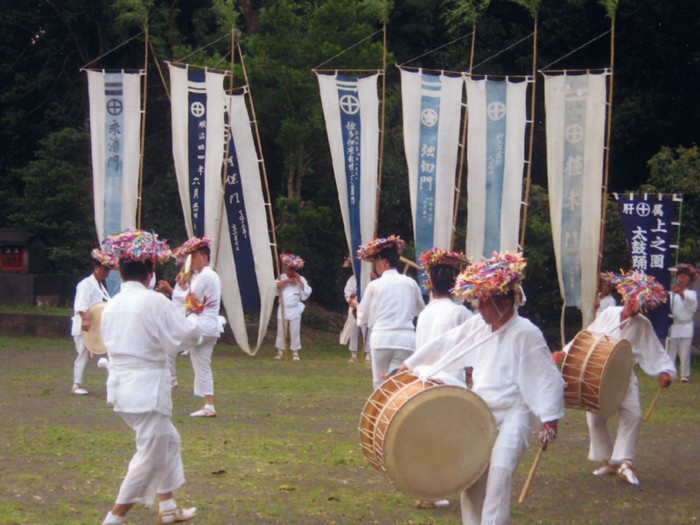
244, 259
197, 105
115, 137
575, 125
351, 111
432, 108
495, 161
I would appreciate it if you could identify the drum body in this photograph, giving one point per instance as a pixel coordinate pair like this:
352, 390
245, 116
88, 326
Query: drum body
93, 337
431, 440
596, 372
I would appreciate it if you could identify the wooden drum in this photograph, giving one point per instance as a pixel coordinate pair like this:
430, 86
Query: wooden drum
431, 440
596, 372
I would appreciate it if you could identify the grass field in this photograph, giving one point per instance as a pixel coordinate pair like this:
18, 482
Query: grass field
285, 448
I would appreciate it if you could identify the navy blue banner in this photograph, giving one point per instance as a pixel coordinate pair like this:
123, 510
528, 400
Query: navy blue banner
349, 103
651, 227
239, 233
197, 140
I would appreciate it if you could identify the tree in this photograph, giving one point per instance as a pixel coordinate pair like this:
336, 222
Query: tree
56, 204
678, 171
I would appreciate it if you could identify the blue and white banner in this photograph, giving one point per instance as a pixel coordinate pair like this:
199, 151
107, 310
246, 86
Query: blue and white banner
495, 162
197, 105
244, 255
575, 124
351, 110
432, 109
651, 228
115, 137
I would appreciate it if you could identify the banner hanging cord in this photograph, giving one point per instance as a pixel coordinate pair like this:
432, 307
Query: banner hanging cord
113, 49
503, 50
576, 50
228, 35
437, 48
347, 49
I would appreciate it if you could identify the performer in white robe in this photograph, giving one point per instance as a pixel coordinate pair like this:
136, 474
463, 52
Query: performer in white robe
140, 329
639, 291
351, 332
441, 315
88, 292
203, 298
684, 304
605, 298
292, 289
442, 312
178, 295
513, 373
388, 307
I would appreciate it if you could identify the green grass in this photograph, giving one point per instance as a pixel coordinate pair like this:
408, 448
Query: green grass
285, 448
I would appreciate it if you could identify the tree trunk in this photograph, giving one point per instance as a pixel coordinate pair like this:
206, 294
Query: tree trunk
250, 16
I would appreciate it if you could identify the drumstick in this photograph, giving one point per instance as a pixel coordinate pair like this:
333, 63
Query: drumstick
530, 475
653, 404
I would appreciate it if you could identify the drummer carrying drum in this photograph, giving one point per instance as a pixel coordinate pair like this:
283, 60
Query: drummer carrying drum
513, 373
640, 293
89, 292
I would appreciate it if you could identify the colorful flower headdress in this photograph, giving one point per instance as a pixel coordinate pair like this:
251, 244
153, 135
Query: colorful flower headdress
105, 259
641, 289
687, 269
289, 260
137, 245
497, 275
372, 248
190, 246
439, 257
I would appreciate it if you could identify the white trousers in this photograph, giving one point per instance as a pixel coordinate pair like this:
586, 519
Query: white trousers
200, 356
625, 447
384, 360
156, 467
487, 502
680, 347
81, 359
293, 329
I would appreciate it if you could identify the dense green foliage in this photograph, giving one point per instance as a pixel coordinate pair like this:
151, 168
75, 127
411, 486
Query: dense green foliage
44, 167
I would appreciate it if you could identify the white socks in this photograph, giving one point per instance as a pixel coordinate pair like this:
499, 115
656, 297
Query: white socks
168, 504
111, 519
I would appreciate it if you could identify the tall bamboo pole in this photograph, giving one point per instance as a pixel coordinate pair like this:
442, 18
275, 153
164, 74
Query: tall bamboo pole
144, 96
463, 146
608, 133
224, 166
263, 169
380, 164
528, 172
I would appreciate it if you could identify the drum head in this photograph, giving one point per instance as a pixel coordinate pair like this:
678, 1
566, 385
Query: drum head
93, 338
615, 379
439, 443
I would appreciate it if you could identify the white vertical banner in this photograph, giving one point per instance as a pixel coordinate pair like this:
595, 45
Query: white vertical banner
197, 105
495, 161
115, 137
432, 109
351, 111
575, 123
245, 257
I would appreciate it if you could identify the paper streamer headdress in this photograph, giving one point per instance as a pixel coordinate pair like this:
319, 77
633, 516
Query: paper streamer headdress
498, 275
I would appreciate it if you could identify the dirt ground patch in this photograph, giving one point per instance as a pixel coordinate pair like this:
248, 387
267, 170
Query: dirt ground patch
285, 448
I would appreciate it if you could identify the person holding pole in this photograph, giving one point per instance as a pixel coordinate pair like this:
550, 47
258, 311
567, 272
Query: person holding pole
640, 293
204, 299
684, 303
513, 373
293, 290
388, 307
